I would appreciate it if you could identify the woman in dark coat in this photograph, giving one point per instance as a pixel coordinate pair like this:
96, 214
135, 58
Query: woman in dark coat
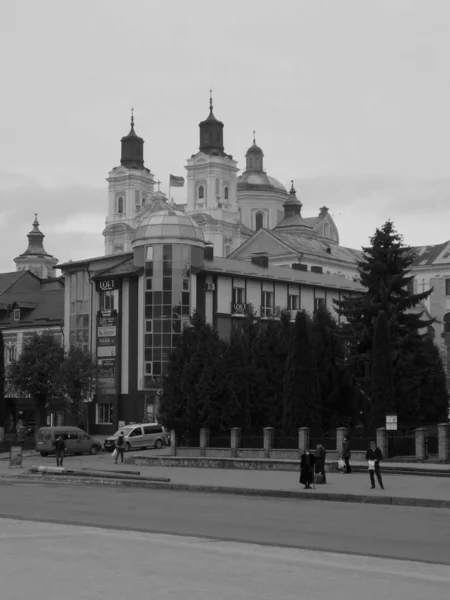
307, 469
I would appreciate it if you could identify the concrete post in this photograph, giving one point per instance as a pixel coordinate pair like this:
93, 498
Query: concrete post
303, 440
444, 442
235, 441
421, 452
268, 441
341, 433
382, 441
204, 440
173, 442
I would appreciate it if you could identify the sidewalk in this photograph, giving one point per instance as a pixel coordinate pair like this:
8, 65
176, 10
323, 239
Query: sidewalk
399, 489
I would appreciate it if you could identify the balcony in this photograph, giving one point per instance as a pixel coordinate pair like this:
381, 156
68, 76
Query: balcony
270, 312
239, 309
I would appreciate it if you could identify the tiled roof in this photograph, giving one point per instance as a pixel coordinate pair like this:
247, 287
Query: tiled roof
244, 268
318, 247
48, 307
123, 268
432, 255
76, 263
8, 279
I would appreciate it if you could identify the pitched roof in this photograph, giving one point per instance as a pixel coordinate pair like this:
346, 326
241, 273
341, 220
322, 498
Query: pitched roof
8, 279
438, 254
41, 307
245, 268
126, 267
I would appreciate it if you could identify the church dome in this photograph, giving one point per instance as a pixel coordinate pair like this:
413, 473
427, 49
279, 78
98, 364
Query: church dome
255, 150
168, 223
254, 180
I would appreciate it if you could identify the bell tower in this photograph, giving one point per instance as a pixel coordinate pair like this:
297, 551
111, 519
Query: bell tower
35, 258
130, 189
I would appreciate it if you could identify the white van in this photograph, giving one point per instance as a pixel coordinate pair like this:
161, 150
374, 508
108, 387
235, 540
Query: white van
139, 435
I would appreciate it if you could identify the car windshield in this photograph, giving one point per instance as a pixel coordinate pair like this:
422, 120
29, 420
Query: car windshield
124, 430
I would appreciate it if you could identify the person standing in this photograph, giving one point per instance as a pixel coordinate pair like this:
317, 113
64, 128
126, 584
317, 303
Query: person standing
307, 469
373, 457
120, 447
319, 456
60, 448
347, 454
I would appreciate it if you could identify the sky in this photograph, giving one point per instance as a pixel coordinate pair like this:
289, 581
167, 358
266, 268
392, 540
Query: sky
349, 98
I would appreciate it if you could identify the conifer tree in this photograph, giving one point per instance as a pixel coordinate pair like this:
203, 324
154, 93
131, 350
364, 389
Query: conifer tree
382, 382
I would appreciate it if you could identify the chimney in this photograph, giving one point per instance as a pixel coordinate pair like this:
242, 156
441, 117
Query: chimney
299, 267
261, 259
209, 252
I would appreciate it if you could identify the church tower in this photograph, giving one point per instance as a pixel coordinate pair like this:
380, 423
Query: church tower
35, 258
130, 189
212, 188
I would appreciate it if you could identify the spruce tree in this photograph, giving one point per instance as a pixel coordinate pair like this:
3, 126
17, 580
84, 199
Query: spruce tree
301, 393
382, 382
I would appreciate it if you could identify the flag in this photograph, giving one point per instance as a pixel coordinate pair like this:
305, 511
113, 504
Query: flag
176, 181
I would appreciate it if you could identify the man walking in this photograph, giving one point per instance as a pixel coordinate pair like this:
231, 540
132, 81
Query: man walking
347, 454
120, 447
60, 448
373, 457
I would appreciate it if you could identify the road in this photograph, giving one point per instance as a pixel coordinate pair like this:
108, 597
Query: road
419, 534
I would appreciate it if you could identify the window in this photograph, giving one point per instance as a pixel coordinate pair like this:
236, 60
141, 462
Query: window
227, 251
107, 300
318, 302
148, 429
120, 205
447, 323
10, 352
217, 187
238, 295
16, 314
410, 286
104, 414
447, 286
136, 432
201, 191
266, 304
259, 221
225, 193
293, 302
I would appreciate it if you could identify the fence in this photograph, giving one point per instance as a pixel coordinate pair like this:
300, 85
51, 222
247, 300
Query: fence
401, 445
255, 442
219, 440
329, 443
285, 442
432, 444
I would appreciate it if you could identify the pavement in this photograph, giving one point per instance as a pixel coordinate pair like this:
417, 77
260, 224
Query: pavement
169, 567
412, 490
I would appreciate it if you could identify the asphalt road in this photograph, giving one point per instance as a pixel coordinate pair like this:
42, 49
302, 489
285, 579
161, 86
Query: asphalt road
419, 534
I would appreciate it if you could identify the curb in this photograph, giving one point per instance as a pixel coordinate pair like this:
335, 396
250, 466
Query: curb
322, 496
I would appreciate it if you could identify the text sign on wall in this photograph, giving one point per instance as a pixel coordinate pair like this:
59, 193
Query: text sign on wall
106, 350
107, 285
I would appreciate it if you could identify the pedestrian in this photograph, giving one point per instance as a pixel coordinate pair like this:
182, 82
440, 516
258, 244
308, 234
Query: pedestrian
120, 447
373, 457
347, 454
319, 457
307, 469
60, 448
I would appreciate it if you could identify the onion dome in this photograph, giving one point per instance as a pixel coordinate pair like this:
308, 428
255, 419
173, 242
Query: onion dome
211, 134
293, 221
132, 156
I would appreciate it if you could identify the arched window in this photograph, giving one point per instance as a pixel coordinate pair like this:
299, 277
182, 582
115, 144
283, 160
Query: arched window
201, 191
447, 323
120, 205
259, 220
225, 193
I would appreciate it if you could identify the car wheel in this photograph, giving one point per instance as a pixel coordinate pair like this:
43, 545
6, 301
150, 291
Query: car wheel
127, 447
94, 450
158, 444
44, 453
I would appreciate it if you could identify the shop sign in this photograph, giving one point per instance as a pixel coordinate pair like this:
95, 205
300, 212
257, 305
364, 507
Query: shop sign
103, 332
107, 367
107, 285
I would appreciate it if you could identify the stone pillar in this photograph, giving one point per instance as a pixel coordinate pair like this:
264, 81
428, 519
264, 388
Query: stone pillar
420, 434
268, 441
204, 440
303, 440
235, 441
444, 442
382, 441
341, 433
173, 442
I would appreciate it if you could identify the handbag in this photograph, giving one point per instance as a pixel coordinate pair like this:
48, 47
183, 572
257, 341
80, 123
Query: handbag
115, 453
341, 463
371, 465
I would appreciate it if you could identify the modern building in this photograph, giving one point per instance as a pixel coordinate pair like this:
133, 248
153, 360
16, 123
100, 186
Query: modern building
129, 309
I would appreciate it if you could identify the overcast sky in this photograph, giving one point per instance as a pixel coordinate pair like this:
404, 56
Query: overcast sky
350, 98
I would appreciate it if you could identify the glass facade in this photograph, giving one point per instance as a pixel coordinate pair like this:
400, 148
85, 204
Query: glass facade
167, 306
79, 310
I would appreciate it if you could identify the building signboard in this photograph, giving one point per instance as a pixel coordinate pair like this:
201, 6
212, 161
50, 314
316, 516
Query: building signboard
107, 340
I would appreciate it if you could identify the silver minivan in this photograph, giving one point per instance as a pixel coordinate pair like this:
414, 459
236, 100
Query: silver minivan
76, 440
139, 435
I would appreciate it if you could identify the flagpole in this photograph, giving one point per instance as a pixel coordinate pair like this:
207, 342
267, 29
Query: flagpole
169, 190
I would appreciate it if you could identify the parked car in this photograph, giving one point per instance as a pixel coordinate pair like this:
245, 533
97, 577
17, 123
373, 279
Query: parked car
77, 441
139, 435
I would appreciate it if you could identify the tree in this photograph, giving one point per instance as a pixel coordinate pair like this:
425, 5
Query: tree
384, 271
78, 377
37, 371
301, 394
382, 388
2, 380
